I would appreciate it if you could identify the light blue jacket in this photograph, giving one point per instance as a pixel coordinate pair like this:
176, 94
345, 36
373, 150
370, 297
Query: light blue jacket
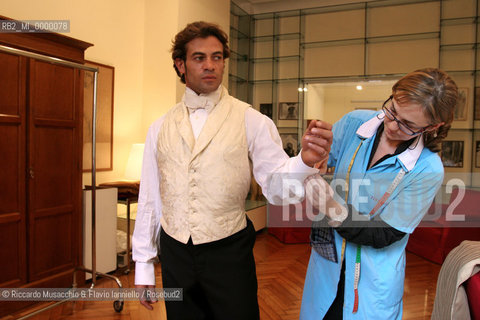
382, 271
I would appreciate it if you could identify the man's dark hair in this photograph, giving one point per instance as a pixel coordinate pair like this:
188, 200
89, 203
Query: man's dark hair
198, 29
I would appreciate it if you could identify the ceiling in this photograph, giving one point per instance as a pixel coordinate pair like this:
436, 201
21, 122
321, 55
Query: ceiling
263, 6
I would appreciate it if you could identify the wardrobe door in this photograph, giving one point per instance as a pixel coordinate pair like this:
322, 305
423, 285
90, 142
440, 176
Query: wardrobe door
54, 182
12, 170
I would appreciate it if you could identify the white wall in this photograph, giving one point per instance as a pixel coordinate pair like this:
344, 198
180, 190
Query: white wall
161, 24
315, 102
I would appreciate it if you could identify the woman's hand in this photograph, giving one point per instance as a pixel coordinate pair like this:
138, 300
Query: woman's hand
320, 195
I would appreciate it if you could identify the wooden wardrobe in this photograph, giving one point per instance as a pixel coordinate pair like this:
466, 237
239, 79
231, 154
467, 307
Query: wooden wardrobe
41, 112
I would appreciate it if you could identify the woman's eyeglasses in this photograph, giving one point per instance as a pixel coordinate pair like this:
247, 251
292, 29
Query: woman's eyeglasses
402, 126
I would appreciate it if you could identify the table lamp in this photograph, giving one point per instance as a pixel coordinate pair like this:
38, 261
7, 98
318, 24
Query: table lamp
133, 169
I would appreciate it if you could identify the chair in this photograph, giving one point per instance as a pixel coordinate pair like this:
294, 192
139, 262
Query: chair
457, 284
473, 293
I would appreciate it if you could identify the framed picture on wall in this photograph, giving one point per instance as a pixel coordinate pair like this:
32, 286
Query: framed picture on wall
267, 109
288, 111
104, 129
290, 143
462, 105
365, 108
452, 154
477, 154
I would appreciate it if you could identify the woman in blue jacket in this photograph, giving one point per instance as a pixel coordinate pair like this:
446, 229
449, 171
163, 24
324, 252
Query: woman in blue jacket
387, 173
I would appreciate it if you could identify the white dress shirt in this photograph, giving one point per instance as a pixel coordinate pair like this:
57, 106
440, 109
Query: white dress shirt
266, 153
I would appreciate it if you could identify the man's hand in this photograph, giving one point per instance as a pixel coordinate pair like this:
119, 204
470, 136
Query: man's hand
316, 142
147, 295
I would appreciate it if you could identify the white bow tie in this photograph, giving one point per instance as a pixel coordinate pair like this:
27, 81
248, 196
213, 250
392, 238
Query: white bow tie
194, 102
199, 102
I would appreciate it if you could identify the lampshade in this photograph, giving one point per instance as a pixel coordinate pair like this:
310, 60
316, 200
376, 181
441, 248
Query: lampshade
133, 170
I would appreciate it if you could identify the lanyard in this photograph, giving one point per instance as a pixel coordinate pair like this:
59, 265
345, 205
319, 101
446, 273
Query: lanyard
380, 203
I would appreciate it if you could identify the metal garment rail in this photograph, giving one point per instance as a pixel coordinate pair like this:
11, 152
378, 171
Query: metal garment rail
118, 305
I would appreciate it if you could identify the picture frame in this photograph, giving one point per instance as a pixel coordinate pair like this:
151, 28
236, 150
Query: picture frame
288, 111
477, 154
452, 154
105, 107
290, 143
477, 103
460, 113
267, 109
365, 108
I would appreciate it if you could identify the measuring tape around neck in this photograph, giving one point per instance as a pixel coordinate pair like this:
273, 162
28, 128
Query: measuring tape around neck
380, 203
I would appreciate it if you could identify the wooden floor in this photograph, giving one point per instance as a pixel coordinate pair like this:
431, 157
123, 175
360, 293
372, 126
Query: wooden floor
281, 272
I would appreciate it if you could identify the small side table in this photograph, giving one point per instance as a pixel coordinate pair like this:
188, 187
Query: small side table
128, 201
127, 194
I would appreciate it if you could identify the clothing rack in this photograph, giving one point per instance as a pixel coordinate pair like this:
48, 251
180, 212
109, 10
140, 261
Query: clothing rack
118, 304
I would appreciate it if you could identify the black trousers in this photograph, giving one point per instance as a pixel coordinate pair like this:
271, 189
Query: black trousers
218, 279
335, 312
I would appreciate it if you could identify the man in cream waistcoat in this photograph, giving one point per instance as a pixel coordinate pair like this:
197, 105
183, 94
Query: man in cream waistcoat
195, 178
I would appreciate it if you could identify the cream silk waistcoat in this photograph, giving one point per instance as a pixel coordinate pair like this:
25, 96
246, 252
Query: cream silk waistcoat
204, 183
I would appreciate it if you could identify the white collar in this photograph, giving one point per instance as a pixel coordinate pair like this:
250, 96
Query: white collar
408, 157
208, 101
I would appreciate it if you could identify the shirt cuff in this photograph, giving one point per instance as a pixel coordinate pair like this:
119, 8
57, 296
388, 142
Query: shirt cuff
144, 273
298, 166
